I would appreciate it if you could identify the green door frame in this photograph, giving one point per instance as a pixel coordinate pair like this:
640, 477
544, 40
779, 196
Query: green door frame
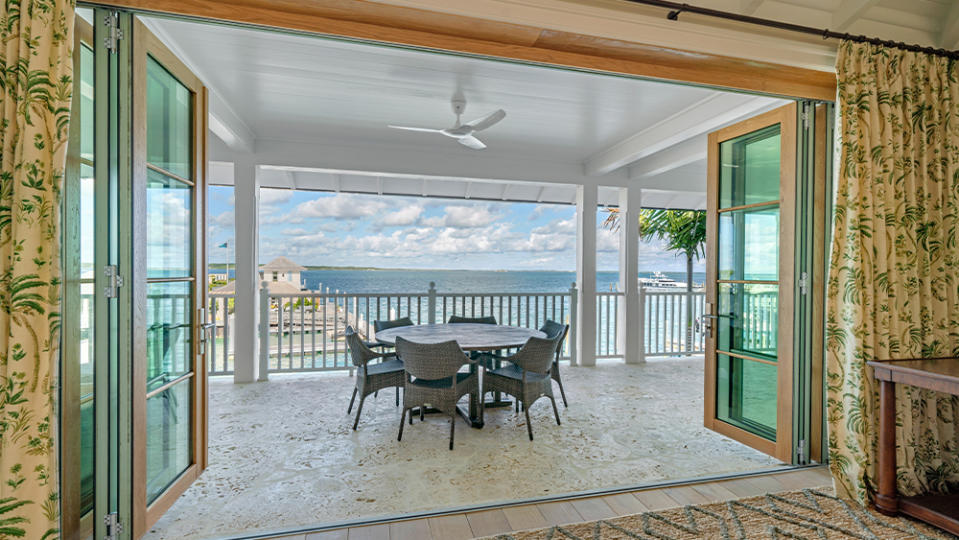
815, 126
112, 248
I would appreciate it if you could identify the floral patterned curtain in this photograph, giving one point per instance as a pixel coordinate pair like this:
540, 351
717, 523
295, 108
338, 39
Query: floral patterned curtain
35, 53
893, 289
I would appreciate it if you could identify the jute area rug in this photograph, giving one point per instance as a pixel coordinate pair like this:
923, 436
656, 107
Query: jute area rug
807, 514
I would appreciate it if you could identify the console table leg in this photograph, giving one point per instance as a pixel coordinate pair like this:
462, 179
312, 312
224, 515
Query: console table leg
887, 501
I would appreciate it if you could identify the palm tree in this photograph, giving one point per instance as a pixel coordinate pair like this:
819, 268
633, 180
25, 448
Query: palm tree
682, 230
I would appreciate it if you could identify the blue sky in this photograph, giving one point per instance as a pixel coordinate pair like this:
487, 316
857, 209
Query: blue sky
339, 229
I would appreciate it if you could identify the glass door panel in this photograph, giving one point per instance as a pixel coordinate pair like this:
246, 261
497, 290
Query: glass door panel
749, 244
748, 322
78, 351
749, 251
749, 168
170, 278
168, 176
747, 395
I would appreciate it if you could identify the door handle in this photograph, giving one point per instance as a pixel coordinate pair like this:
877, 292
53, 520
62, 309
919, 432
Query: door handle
206, 332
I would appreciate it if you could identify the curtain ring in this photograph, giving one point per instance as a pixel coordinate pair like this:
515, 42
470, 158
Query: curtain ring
825, 34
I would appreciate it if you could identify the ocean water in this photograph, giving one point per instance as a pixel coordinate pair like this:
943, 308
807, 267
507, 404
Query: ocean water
478, 281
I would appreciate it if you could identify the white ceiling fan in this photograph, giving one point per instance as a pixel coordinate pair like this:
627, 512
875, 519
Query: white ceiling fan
463, 132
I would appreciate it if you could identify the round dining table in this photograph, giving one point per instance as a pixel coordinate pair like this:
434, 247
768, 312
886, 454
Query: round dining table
470, 337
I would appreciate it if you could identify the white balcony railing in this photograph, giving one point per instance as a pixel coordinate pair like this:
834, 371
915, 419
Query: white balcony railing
305, 331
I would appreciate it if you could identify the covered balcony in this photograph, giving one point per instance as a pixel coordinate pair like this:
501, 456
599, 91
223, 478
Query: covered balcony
282, 453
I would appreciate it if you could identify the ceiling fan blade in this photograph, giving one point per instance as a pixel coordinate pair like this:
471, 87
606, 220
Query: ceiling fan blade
423, 130
492, 118
472, 142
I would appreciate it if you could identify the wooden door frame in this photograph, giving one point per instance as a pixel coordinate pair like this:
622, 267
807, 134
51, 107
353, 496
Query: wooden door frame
144, 44
371, 21
785, 116
74, 524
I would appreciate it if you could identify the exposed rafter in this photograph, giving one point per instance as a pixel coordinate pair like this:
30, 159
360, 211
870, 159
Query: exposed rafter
848, 12
702, 117
684, 153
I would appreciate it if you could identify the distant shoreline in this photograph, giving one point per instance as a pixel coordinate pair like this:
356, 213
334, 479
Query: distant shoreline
223, 266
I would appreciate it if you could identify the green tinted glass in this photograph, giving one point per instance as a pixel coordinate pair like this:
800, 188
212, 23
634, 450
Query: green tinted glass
746, 395
86, 103
169, 312
87, 455
748, 319
749, 244
169, 122
749, 168
169, 227
169, 444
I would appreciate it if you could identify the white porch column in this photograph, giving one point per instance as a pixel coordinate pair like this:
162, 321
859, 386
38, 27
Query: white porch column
587, 198
629, 321
246, 196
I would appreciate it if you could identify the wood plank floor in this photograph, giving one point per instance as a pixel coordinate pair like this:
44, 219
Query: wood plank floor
531, 516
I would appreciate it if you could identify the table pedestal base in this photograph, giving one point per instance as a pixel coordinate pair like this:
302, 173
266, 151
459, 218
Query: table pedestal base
475, 423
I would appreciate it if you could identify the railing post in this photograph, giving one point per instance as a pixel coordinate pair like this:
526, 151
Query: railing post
264, 371
641, 327
573, 323
431, 304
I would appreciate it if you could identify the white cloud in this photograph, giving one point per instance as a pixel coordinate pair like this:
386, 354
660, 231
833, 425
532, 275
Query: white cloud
275, 197
405, 216
464, 217
607, 240
558, 226
341, 206
224, 219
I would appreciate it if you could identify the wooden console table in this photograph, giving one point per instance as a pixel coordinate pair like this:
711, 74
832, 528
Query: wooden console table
941, 375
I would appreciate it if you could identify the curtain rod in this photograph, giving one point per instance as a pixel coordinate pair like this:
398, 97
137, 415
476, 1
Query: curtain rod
677, 8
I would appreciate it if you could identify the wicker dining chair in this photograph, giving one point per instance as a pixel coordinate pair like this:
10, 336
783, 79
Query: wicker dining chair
432, 376
379, 326
527, 378
553, 329
371, 377
456, 319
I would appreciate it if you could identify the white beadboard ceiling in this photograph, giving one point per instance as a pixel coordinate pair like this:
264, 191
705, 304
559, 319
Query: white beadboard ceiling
279, 90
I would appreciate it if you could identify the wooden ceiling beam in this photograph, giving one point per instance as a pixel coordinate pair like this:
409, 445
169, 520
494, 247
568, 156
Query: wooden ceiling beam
377, 22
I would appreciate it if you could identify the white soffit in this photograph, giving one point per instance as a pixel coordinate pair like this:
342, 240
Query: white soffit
337, 181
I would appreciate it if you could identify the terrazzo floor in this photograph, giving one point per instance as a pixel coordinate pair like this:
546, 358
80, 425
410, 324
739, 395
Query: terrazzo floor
282, 454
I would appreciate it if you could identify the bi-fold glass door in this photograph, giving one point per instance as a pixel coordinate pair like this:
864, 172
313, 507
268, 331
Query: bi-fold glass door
749, 283
134, 386
168, 188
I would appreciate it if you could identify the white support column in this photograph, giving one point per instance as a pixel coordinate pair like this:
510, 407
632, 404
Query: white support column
246, 196
586, 201
630, 201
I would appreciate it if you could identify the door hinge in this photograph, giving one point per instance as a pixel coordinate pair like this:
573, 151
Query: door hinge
114, 281
804, 115
114, 527
114, 33
801, 451
804, 283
